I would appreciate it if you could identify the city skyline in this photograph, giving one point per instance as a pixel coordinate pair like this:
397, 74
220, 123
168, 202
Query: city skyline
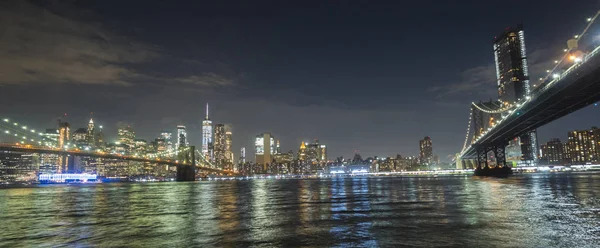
257, 100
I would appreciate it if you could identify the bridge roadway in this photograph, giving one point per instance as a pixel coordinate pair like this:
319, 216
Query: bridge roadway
577, 88
35, 149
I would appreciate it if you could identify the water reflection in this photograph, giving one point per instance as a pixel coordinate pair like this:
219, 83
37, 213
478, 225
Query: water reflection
536, 210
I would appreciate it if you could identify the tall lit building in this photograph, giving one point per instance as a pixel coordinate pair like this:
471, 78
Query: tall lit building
426, 151
323, 153
582, 146
140, 146
64, 136
64, 133
229, 149
219, 146
79, 137
513, 82
277, 148
160, 144
99, 137
302, 152
312, 151
126, 137
181, 137
552, 152
242, 155
207, 133
264, 149
167, 138
91, 136
49, 162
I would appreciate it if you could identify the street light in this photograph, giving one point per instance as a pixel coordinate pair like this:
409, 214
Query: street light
555, 75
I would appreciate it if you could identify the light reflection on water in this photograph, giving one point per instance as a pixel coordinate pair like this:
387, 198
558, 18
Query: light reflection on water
534, 210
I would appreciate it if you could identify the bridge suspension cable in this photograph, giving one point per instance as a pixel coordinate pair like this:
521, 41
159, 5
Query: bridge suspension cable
569, 49
22, 133
204, 160
468, 131
492, 111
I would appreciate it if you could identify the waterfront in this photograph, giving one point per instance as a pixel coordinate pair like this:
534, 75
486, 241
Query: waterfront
526, 210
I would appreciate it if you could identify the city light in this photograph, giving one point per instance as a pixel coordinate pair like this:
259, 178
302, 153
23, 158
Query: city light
555, 75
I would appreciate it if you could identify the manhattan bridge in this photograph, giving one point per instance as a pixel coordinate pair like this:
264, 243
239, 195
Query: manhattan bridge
526, 104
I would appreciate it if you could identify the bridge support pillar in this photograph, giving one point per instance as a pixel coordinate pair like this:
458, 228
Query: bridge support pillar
500, 154
482, 161
186, 169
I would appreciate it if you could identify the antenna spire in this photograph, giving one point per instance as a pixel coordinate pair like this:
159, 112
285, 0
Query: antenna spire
207, 110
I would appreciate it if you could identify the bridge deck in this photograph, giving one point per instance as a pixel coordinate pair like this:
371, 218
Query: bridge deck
574, 91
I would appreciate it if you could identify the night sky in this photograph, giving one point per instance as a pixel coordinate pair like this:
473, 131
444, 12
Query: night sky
369, 77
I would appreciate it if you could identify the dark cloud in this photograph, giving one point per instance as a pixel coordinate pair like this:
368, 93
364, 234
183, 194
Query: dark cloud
477, 80
39, 46
481, 80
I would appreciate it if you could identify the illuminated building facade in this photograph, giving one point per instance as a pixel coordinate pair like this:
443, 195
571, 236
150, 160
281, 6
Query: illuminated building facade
140, 146
552, 152
80, 137
16, 166
582, 146
513, 83
242, 155
426, 151
219, 146
264, 145
181, 137
323, 153
229, 150
64, 137
64, 134
167, 138
302, 151
126, 137
91, 136
100, 138
160, 144
207, 132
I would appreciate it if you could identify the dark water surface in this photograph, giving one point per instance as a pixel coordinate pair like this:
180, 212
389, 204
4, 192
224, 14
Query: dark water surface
534, 210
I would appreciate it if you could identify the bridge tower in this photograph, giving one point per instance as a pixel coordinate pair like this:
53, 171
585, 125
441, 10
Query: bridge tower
186, 169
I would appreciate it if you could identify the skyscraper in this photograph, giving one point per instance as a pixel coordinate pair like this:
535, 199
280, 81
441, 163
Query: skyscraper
207, 141
91, 136
323, 153
126, 137
426, 151
79, 137
167, 138
242, 155
219, 146
513, 82
99, 136
64, 136
264, 149
229, 149
181, 137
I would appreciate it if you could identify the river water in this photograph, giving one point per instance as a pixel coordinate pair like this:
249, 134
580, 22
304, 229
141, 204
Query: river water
531, 210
